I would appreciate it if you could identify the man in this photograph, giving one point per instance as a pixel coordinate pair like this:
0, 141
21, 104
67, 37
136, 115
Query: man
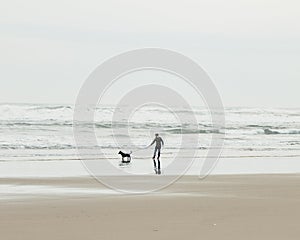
159, 143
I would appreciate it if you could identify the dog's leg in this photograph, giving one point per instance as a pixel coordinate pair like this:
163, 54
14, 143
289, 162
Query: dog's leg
158, 161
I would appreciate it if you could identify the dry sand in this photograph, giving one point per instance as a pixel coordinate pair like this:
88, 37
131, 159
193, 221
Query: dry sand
218, 207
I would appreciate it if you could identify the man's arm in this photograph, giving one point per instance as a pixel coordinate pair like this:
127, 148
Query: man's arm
162, 141
151, 143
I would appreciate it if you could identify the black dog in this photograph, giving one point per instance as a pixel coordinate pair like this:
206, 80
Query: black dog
125, 155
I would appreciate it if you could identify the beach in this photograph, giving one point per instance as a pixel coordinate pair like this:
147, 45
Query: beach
257, 206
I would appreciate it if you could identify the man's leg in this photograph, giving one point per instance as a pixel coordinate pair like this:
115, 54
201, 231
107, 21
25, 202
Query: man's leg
154, 154
158, 156
154, 157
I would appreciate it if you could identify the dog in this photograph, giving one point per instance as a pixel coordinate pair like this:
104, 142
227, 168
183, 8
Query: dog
125, 155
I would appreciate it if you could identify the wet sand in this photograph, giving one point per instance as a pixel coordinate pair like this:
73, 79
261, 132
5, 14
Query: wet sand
218, 207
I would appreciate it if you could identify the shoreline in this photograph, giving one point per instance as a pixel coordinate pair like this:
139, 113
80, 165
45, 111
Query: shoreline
224, 166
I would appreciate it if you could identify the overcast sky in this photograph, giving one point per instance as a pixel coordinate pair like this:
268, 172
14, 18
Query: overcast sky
250, 48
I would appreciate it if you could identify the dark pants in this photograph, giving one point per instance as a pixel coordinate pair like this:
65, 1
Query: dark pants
158, 156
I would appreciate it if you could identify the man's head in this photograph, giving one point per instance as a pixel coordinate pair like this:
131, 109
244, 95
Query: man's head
156, 134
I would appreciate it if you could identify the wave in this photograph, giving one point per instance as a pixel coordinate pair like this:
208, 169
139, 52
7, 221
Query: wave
191, 131
268, 131
35, 123
57, 146
171, 128
108, 125
102, 125
37, 147
258, 126
119, 135
63, 107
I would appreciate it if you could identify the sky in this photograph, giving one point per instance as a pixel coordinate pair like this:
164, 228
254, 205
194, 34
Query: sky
250, 48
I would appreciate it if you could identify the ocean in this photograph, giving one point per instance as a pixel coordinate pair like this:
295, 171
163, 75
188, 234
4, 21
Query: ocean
35, 137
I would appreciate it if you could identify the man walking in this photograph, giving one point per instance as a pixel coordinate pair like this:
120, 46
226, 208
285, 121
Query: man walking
159, 143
